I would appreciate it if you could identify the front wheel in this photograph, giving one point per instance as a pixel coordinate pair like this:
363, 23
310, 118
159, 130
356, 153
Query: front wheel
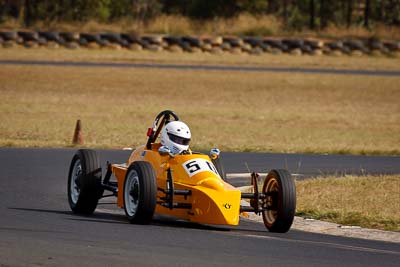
280, 204
84, 182
140, 192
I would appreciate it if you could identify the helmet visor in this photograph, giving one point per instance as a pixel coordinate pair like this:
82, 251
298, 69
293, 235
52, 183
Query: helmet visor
179, 140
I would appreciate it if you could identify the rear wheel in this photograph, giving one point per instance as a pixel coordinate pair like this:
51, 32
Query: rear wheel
84, 182
280, 203
140, 192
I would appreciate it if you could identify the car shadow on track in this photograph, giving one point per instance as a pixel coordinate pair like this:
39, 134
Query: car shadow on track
41, 210
113, 218
101, 217
176, 223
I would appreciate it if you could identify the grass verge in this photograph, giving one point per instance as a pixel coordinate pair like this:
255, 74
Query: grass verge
239, 111
369, 201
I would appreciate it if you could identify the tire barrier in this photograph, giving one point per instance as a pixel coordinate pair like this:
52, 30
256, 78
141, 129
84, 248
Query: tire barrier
192, 44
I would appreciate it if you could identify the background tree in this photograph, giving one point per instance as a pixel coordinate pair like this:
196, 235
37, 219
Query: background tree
349, 13
295, 14
312, 14
367, 13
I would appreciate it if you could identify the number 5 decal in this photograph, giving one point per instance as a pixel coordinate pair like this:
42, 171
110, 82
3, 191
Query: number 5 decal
194, 166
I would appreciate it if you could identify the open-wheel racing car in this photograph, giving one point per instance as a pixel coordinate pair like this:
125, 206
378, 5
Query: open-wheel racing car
186, 185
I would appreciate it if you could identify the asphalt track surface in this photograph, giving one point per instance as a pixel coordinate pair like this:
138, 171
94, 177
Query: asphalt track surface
203, 67
37, 227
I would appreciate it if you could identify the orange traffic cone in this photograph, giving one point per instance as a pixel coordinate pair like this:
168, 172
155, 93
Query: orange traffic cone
78, 136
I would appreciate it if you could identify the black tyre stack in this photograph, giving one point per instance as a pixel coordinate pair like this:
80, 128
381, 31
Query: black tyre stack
208, 44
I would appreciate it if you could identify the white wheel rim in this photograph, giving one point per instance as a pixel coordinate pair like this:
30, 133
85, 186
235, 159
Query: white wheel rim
132, 193
270, 215
74, 188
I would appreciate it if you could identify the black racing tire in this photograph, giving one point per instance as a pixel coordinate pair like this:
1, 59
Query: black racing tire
233, 41
70, 36
131, 37
392, 46
9, 36
306, 49
277, 44
83, 42
254, 41
50, 36
89, 37
153, 39
115, 38
193, 41
265, 47
187, 47
173, 40
293, 43
375, 44
220, 168
42, 41
140, 192
355, 44
93, 37
84, 182
281, 202
335, 45
314, 44
273, 43
28, 36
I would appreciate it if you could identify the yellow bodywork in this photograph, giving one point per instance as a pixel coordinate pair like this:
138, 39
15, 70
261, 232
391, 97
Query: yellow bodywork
213, 201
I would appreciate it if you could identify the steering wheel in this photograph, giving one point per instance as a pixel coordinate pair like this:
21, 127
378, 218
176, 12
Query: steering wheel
165, 117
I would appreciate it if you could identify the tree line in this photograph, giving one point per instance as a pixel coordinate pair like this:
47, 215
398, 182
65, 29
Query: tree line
295, 14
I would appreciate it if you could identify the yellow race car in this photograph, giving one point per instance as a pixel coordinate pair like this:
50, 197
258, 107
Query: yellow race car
165, 179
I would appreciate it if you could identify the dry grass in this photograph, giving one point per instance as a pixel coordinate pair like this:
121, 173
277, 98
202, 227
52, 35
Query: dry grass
163, 24
234, 111
174, 25
371, 201
166, 24
380, 31
244, 24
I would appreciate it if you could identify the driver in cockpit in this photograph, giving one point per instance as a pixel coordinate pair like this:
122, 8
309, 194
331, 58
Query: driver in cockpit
176, 136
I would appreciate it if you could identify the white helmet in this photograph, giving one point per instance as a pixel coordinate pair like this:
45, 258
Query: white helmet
176, 136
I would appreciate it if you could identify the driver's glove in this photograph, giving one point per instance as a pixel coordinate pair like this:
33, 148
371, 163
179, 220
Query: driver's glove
215, 153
